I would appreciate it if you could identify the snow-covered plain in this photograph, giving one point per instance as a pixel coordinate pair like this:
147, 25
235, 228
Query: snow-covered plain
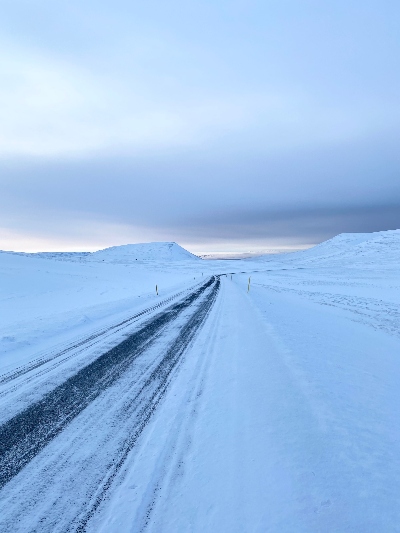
280, 417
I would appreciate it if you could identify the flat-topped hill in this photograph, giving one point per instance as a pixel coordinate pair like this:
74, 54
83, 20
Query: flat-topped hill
151, 251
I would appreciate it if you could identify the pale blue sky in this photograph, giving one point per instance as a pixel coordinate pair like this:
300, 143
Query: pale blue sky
220, 125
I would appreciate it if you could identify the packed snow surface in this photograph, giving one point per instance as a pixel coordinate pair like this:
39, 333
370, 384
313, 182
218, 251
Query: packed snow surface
262, 394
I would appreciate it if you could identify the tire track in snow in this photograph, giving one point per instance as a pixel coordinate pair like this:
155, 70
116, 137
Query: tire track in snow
29, 383
178, 441
140, 410
26, 434
82, 344
373, 312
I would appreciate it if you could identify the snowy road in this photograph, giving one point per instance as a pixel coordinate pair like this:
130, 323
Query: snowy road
111, 400
288, 423
273, 412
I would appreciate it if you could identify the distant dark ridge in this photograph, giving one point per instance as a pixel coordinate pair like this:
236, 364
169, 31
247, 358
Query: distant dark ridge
60, 256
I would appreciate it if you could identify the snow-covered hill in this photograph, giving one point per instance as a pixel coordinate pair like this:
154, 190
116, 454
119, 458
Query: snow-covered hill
349, 249
151, 251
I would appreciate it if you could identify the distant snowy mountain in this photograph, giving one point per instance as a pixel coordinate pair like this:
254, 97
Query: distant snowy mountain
151, 251
360, 249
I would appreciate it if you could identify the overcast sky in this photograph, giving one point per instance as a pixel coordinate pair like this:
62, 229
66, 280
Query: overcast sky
222, 125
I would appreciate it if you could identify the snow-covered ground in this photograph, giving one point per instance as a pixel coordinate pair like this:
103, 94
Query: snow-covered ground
281, 415
50, 299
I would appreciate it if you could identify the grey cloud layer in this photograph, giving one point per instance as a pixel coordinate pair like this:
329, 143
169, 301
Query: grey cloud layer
308, 197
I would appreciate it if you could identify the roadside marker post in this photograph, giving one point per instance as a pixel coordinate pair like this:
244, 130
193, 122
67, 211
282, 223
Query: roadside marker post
248, 286
157, 290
